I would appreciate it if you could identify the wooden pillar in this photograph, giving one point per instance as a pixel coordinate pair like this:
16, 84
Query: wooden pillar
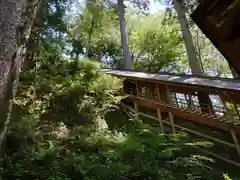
169, 96
175, 96
137, 88
190, 102
235, 106
186, 99
205, 102
224, 104
158, 94
136, 111
160, 120
235, 140
171, 115
158, 109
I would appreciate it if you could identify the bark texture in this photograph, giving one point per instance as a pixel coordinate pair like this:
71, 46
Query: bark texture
124, 38
10, 20
194, 62
16, 20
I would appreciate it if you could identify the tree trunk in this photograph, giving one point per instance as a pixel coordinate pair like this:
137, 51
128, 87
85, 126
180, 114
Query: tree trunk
16, 20
10, 20
123, 29
194, 62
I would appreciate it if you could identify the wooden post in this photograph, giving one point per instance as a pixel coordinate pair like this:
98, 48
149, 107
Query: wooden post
172, 121
169, 96
171, 116
137, 88
175, 96
187, 101
210, 110
235, 106
158, 94
136, 110
160, 120
235, 140
191, 103
225, 106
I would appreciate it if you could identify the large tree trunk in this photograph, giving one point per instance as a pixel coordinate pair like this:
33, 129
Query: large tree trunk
194, 62
123, 29
16, 20
10, 20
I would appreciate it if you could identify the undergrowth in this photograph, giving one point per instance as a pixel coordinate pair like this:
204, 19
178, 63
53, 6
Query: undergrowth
60, 130
137, 153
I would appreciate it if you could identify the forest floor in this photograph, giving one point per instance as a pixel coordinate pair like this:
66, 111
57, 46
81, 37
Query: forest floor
127, 150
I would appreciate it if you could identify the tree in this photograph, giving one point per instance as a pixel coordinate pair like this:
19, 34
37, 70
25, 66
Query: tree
194, 62
214, 64
16, 19
154, 46
104, 44
59, 129
126, 53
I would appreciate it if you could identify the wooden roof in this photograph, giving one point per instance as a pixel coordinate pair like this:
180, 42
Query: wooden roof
219, 21
233, 85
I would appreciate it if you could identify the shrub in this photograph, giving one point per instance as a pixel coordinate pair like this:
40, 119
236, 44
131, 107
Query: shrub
141, 154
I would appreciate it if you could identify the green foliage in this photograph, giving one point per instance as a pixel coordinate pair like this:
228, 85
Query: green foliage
59, 131
226, 177
59, 128
79, 94
82, 91
155, 45
152, 46
213, 62
138, 152
95, 29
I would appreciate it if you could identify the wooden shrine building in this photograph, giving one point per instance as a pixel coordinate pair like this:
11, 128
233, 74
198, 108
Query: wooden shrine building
212, 105
175, 100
